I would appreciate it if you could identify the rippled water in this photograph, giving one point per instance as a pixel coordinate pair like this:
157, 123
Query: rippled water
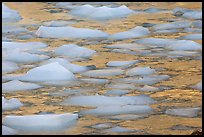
184, 70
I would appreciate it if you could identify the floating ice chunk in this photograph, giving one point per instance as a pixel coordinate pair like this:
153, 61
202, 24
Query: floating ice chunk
140, 71
198, 86
117, 92
184, 112
71, 67
197, 24
41, 123
126, 46
101, 13
71, 50
99, 100
13, 30
50, 72
192, 37
122, 63
136, 32
194, 30
182, 53
16, 85
102, 125
70, 32
188, 13
156, 41
174, 25
103, 72
25, 37
119, 129
18, 56
167, 31
185, 45
11, 104
153, 10
128, 116
23, 45
124, 51
60, 83
57, 23
9, 15
95, 81
8, 131
8, 67
147, 88
121, 86
116, 110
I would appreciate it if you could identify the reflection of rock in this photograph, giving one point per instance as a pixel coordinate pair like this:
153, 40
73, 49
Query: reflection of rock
197, 132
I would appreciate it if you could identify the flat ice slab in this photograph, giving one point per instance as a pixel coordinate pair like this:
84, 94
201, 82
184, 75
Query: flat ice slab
101, 13
70, 32
10, 104
184, 112
41, 123
9, 15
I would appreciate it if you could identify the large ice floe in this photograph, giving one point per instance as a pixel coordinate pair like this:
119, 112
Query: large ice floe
17, 85
8, 66
74, 51
103, 72
132, 33
140, 71
8, 131
188, 13
192, 37
71, 67
70, 32
112, 105
41, 123
10, 104
122, 63
49, 72
101, 13
9, 15
184, 112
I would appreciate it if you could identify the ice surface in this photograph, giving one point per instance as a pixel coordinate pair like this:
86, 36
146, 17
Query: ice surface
49, 72
74, 51
102, 125
15, 30
10, 104
103, 72
140, 71
121, 86
41, 123
198, 86
184, 112
188, 13
95, 81
57, 23
101, 13
122, 63
192, 37
74, 68
173, 25
16, 85
8, 131
117, 92
8, 66
136, 32
119, 129
125, 46
147, 88
70, 32
9, 15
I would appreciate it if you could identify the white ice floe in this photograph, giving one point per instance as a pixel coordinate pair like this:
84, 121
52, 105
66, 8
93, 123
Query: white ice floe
57, 23
49, 72
9, 15
116, 110
126, 46
198, 86
155, 41
15, 30
18, 56
197, 24
188, 13
101, 13
23, 45
74, 51
8, 131
173, 25
11, 104
119, 129
103, 72
121, 86
8, 66
136, 32
184, 112
128, 116
17, 85
192, 37
122, 63
167, 31
95, 81
118, 92
100, 100
147, 88
41, 123
102, 125
70, 32
140, 71
74, 68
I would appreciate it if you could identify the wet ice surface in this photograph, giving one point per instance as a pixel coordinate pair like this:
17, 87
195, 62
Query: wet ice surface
77, 61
